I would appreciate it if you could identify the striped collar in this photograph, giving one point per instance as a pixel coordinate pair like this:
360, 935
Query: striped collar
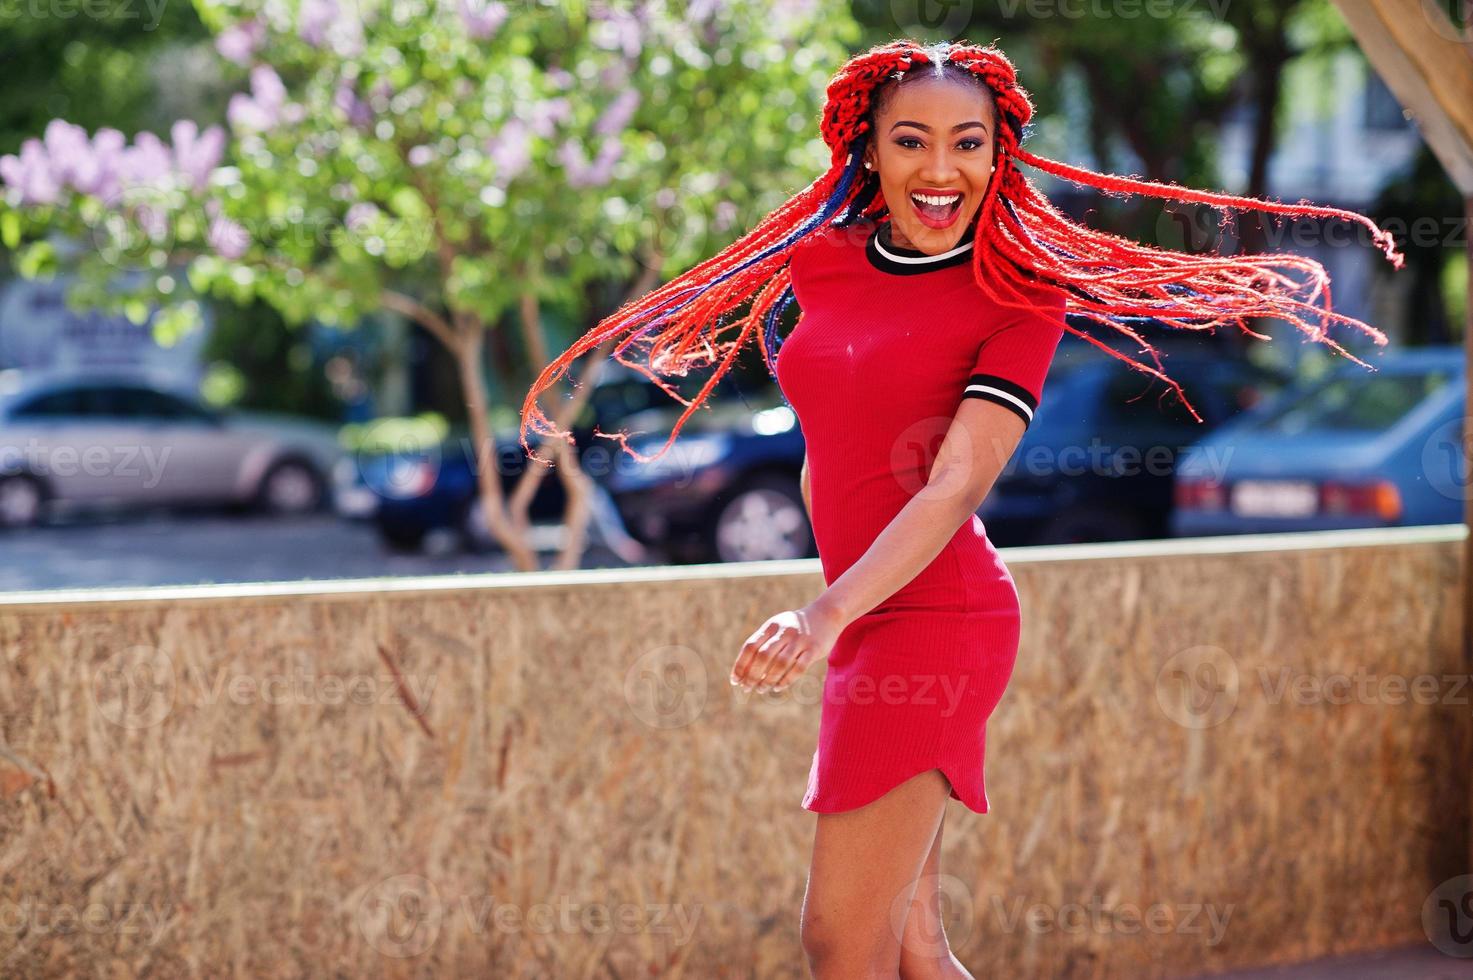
886, 256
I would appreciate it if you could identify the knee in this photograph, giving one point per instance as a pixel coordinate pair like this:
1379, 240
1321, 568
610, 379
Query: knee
833, 955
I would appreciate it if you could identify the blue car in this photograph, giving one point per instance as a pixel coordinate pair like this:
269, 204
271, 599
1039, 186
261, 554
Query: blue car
728, 487
430, 489
1358, 448
1098, 460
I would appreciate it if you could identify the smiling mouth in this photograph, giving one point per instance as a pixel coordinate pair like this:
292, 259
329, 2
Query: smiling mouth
939, 208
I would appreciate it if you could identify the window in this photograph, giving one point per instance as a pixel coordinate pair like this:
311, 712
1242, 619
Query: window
66, 403
146, 403
1354, 403
1382, 109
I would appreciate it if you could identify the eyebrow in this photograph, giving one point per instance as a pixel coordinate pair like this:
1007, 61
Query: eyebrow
955, 129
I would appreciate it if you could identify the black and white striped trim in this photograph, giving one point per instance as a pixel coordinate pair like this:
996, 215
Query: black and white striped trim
1007, 393
886, 256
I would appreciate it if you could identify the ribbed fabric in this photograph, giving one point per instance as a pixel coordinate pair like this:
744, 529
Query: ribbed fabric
889, 343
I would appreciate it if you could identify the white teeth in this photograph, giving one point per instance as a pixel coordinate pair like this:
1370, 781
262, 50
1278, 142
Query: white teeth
937, 201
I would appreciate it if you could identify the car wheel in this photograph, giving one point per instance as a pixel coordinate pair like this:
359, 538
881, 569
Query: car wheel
21, 500
763, 520
292, 487
405, 540
1088, 522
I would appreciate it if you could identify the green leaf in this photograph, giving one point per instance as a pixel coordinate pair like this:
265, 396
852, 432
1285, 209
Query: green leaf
10, 230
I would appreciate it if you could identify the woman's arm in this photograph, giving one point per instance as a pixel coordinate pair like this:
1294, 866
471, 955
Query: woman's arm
978, 444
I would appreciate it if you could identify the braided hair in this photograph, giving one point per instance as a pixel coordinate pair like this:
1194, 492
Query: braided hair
1021, 240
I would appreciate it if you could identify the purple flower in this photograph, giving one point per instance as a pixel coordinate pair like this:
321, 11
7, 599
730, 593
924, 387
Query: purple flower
197, 155
227, 237
360, 216
67, 148
420, 156
30, 174
482, 18
313, 20
239, 42
580, 172
262, 109
266, 87
510, 150
547, 114
105, 165
147, 162
354, 108
324, 22
617, 30
618, 114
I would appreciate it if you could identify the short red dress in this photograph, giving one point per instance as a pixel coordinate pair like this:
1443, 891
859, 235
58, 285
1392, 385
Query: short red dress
889, 343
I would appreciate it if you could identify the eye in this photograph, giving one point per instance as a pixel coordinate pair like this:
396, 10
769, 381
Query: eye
976, 144
902, 141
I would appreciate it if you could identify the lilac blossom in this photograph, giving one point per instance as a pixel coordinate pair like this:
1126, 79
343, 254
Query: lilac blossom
30, 174
618, 114
547, 114
239, 42
618, 30
324, 23
227, 237
105, 166
262, 109
482, 18
510, 150
354, 108
360, 216
148, 162
581, 173
196, 154
313, 20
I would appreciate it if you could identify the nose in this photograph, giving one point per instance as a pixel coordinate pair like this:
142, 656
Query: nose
939, 166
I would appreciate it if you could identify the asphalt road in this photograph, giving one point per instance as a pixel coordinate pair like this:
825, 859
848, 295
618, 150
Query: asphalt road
164, 548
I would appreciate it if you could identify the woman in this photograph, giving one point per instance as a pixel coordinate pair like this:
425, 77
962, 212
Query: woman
934, 282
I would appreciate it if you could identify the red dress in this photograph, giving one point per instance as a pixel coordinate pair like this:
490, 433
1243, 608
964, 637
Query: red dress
889, 343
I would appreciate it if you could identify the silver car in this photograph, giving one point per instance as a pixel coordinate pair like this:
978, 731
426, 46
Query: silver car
129, 440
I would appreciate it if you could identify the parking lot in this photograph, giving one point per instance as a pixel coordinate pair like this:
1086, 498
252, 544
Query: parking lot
171, 548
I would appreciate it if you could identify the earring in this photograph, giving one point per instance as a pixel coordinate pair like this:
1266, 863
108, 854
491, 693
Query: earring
868, 165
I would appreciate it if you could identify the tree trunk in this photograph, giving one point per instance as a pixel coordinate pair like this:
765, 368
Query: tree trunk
488, 480
576, 483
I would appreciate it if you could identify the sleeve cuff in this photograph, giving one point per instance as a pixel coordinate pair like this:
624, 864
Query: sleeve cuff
1008, 394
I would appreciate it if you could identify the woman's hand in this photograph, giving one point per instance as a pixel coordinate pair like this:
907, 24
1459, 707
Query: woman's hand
782, 648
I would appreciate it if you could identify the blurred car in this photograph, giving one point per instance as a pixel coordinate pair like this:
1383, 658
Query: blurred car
130, 439
411, 495
1357, 448
1098, 460
727, 489
429, 490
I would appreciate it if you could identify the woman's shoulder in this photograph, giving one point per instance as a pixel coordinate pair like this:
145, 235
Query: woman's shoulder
828, 238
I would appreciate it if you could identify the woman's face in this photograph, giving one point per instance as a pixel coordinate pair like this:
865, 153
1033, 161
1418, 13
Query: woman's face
933, 137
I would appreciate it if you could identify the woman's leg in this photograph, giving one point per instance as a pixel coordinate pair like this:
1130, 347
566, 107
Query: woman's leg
866, 863
925, 954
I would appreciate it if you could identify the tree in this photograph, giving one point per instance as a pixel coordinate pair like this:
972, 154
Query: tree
460, 164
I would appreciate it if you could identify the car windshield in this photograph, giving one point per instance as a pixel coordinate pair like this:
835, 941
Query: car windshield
1353, 402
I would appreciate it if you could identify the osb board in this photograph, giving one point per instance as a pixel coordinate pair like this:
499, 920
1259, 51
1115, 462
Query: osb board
570, 788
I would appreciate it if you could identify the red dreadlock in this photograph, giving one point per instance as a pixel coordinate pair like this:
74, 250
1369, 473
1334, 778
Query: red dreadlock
1021, 238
